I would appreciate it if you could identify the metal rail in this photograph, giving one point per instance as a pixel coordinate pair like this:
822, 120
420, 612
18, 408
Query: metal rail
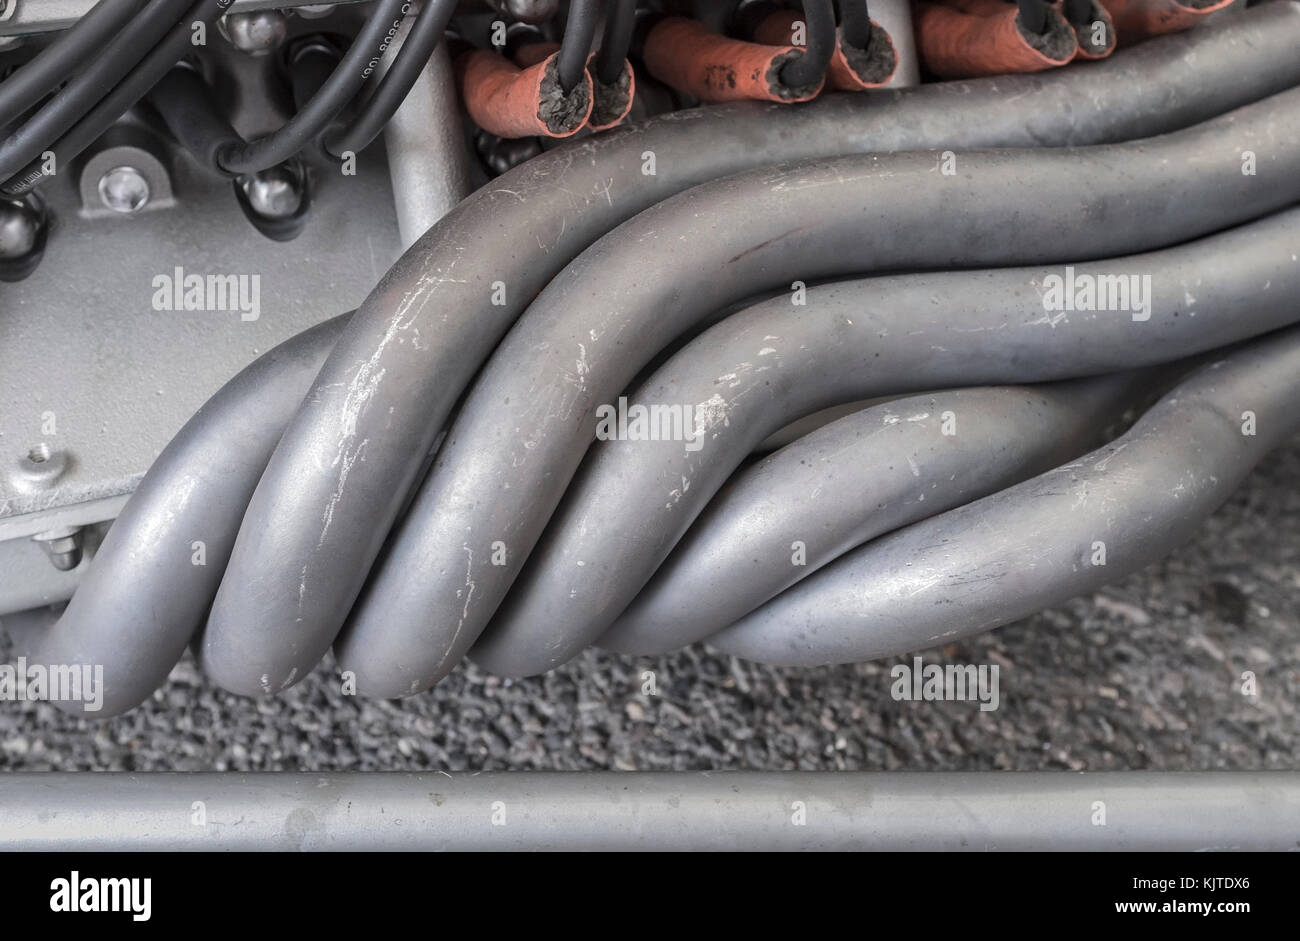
652, 811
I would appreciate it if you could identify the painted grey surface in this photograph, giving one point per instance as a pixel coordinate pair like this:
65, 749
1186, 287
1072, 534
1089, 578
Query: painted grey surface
81, 339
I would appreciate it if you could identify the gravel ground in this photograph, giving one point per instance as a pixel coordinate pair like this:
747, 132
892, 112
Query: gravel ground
1146, 675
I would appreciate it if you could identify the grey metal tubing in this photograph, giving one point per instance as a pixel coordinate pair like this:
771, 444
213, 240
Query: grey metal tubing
428, 159
652, 811
146, 594
350, 456
852, 480
775, 362
521, 432
1061, 534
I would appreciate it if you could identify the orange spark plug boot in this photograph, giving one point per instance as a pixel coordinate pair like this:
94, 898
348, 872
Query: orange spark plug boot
688, 56
851, 69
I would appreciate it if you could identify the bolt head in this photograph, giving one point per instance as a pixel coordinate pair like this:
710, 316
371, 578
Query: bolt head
124, 190
63, 546
19, 228
65, 553
256, 34
275, 193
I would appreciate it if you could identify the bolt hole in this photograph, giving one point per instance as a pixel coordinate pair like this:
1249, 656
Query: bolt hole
39, 454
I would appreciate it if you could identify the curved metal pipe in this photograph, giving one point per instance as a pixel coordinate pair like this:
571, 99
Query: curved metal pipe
148, 591
1076, 528
756, 371
133, 651
521, 431
321, 512
804, 506
575, 45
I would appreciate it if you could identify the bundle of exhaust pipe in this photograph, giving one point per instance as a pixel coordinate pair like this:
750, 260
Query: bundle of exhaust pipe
1067, 304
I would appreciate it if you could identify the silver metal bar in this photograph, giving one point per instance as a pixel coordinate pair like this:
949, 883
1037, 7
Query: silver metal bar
428, 158
38, 16
652, 811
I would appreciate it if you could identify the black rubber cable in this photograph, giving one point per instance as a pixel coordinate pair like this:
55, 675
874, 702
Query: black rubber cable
357, 65
80, 95
425, 34
1078, 11
312, 61
575, 46
616, 41
187, 107
64, 57
1033, 14
810, 68
117, 102
185, 102
855, 23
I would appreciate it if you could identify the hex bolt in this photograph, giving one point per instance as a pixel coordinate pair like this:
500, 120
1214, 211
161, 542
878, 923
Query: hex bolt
124, 190
63, 546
